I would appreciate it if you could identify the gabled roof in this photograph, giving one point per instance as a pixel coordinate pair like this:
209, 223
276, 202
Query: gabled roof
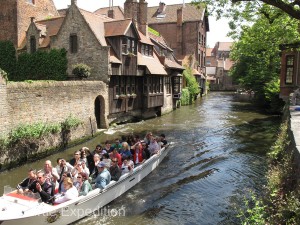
225, 46
118, 12
117, 27
190, 13
96, 23
173, 65
62, 12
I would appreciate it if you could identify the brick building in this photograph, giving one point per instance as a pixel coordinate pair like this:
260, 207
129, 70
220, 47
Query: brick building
14, 16
184, 28
218, 65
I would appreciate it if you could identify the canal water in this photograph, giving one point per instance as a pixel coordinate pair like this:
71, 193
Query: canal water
218, 157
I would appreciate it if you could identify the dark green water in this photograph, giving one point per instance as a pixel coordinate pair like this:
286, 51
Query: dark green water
218, 158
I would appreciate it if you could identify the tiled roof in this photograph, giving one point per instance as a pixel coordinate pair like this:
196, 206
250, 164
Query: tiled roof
154, 67
225, 46
96, 23
113, 58
172, 64
49, 27
117, 27
118, 12
228, 64
144, 39
190, 13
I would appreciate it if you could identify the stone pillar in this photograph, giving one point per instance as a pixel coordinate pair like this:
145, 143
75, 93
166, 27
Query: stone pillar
4, 114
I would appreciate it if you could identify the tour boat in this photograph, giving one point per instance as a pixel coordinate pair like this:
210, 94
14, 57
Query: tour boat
20, 209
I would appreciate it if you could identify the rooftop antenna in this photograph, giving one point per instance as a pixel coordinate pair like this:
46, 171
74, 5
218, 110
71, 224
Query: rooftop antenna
111, 4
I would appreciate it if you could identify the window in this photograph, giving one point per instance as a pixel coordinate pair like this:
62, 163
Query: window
289, 69
73, 43
177, 81
32, 44
147, 50
128, 45
154, 85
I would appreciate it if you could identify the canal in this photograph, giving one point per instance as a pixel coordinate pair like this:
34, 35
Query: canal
218, 157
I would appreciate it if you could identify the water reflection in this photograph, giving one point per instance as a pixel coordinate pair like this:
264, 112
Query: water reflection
217, 157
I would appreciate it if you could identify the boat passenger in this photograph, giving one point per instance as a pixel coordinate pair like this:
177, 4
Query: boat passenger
71, 192
94, 172
43, 187
63, 166
130, 140
107, 147
85, 168
61, 188
50, 172
153, 147
125, 151
127, 165
107, 160
139, 156
115, 154
148, 137
82, 184
163, 140
145, 150
27, 182
83, 153
117, 145
103, 177
76, 158
79, 169
115, 170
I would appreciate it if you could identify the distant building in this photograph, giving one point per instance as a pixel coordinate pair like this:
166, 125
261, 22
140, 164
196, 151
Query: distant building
218, 65
290, 72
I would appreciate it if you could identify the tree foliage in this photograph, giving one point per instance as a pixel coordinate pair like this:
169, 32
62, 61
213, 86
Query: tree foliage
257, 55
8, 58
42, 65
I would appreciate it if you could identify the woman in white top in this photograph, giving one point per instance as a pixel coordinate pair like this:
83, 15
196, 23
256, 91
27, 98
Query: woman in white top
71, 192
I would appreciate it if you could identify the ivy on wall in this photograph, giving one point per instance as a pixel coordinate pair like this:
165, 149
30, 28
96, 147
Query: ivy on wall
8, 60
42, 65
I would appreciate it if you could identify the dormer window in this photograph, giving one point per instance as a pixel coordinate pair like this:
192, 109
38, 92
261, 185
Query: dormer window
147, 50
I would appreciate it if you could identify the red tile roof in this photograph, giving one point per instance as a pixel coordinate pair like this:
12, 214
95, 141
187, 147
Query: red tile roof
117, 27
154, 67
225, 46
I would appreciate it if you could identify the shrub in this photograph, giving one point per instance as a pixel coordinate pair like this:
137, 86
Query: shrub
81, 70
8, 58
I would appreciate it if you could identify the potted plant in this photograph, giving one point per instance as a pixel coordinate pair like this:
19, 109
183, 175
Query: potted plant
122, 96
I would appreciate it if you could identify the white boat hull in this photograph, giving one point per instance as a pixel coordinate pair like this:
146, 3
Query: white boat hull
15, 211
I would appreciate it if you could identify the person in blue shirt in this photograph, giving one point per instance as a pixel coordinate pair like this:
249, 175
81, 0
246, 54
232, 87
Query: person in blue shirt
103, 177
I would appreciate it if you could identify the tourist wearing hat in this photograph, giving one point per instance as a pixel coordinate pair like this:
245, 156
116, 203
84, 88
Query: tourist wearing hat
103, 177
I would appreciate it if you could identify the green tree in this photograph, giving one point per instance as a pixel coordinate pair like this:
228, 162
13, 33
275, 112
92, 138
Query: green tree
257, 55
8, 58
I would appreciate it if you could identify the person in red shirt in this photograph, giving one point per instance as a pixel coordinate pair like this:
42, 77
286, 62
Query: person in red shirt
115, 154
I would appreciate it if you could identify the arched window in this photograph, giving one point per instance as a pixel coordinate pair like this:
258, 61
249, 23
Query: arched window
32, 44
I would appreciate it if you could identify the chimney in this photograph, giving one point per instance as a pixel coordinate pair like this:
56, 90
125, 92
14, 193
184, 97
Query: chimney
162, 8
73, 2
142, 17
131, 10
179, 17
111, 13
32, 19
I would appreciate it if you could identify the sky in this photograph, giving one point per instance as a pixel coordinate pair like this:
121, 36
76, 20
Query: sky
218, 29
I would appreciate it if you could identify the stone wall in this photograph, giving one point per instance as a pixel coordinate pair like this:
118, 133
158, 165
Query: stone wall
4, 116
54, 102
